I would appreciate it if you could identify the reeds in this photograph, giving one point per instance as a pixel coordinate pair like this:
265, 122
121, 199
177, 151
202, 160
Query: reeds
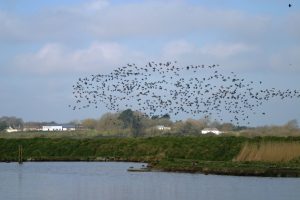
269, 151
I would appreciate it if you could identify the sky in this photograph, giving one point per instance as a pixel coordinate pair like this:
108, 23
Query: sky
45, 46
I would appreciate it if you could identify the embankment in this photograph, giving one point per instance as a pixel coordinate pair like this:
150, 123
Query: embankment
146, 149
217, 155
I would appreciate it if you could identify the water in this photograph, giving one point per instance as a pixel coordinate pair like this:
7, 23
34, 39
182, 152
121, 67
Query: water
111, 181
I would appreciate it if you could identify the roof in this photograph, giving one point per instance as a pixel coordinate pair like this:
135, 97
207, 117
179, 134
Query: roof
68, 125
210, 129
62, 125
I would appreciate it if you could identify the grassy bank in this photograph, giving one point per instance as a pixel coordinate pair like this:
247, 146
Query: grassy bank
218, 155
147, 149
269, 151
291, 169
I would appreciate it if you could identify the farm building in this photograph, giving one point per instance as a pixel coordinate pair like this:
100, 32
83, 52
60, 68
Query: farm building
57, 127
163, 128
211, 130
32, 127
11, 130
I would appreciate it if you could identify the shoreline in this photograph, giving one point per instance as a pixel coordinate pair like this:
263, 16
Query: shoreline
206, 155
238, 172
267, 171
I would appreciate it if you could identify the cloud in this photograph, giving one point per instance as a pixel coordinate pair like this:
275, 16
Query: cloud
177, 49
225, 50
11, 27
103, 20
152, 19
176, 27
57, 58
207, 53
287, 60
235, 55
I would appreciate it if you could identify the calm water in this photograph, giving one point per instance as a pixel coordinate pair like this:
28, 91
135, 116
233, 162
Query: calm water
111, 181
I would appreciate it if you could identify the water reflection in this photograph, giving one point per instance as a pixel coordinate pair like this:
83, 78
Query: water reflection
84, 181
20, 181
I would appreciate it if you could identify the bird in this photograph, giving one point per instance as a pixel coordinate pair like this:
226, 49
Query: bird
290, 5
159, 88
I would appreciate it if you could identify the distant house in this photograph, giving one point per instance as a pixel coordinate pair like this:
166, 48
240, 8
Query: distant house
163, 128
57, 127
52, 128
211, 130
32, 127
68, 127
11, 130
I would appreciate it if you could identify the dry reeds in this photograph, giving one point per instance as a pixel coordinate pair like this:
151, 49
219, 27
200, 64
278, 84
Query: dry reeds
269, 152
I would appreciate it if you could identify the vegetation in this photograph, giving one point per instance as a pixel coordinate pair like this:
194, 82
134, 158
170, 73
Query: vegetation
133, 136
3, 126
212, 154
13, 122
269, 151
130, 123
146, 149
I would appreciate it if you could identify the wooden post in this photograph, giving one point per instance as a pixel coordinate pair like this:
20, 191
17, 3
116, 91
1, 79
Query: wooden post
20, 154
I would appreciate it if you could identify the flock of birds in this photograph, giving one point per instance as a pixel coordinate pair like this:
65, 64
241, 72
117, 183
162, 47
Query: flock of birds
160, 88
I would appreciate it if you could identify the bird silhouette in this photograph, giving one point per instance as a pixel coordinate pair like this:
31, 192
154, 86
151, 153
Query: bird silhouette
160, 88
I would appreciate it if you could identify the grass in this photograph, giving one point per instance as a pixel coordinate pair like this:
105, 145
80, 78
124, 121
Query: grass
230, 168
52, 134
269, 156
156, 148
269, 151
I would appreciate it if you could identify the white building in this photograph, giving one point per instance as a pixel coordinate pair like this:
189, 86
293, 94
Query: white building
52, 128
163, 128
68, 127
11, 130
63, 127
211, 130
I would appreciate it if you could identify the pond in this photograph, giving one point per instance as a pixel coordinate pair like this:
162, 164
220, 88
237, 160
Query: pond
112, 181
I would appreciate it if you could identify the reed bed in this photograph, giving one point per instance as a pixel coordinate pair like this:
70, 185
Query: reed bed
269, 151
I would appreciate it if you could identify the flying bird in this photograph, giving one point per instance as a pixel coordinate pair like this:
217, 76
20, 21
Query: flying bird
160, 88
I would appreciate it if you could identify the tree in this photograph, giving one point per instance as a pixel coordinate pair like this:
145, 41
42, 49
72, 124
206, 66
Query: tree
132, 121
109, 121
226, 127
165, 116
3, 126
292, 124
155, 117
13, 122
89, 123
127, 118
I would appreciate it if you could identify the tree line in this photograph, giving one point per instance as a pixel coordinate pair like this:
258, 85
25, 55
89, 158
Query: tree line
134, 123
13, 122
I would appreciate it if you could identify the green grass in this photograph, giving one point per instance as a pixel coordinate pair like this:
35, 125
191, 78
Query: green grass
152, 148
189, 154
156, 148
230, 168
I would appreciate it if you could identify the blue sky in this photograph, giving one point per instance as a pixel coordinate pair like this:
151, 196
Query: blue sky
45, 46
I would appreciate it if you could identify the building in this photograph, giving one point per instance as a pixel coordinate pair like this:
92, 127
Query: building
163, 128
12, 130
32, 127
52, 128
68, 127
57, 127
211, 130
